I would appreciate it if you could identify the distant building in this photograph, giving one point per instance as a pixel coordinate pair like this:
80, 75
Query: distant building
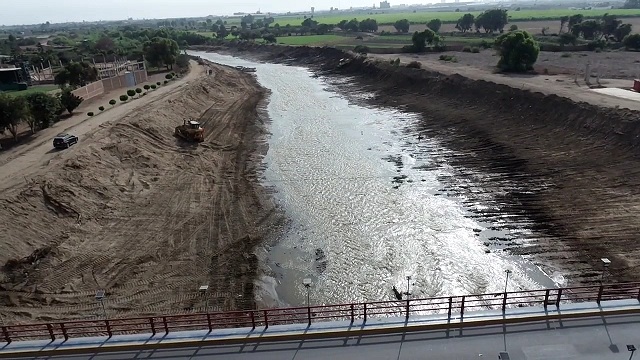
384, 5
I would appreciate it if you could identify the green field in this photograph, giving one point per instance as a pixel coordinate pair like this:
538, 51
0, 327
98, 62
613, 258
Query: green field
312, 40
33, 90
424, 16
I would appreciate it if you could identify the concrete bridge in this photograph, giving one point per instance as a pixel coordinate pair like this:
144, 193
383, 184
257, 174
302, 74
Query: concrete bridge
601, 323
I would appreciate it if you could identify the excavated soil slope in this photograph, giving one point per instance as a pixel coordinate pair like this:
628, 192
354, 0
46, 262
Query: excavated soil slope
576, 166
142, 214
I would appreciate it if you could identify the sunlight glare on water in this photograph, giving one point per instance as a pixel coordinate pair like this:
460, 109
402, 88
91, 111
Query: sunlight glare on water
365, 207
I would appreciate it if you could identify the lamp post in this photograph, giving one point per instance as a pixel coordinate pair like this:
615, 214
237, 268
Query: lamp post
204, 291
506, 282
632, 349
408, 277
100, 296
307, 284
605, 265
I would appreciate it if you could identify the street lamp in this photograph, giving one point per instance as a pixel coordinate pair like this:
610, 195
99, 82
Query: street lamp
100, 296
203, 290
508, 271
632, 349
605, 265
307, 284
408, 277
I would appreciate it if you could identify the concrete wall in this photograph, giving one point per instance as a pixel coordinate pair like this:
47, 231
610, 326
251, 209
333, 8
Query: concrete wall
119, 81
92, 90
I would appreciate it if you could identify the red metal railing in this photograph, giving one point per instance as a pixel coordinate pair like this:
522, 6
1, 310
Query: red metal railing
453, 306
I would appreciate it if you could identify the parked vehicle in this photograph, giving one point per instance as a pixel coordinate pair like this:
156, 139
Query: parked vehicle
63, 141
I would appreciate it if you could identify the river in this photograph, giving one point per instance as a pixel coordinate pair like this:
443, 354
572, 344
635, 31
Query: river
368, 207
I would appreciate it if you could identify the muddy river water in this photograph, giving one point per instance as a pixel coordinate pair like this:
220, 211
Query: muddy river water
368, 207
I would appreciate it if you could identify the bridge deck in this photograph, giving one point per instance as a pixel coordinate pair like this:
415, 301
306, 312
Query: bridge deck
584, 331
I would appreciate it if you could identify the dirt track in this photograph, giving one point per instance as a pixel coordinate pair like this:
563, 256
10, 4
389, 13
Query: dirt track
140, 213
572, 168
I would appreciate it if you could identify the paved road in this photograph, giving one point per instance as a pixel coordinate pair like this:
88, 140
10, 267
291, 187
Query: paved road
585, 339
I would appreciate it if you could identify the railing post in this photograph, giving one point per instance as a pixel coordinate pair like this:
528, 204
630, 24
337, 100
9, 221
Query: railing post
209, 321
106, 322
559, 297
51, 334
266, 320
353, 317
309, 314
600, 291
364, 321
546, 298
407, 317
504, 302
638, 294
253, 320
166, 326
5, 333
153, 326
64, 332
450, 306
462, 307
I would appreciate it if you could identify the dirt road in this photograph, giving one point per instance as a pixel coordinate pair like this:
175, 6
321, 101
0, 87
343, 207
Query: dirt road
135, 211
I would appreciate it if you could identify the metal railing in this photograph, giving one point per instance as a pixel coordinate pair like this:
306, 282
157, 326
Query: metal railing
453, 306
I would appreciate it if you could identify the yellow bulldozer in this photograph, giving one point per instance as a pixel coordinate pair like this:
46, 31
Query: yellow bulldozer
190, 131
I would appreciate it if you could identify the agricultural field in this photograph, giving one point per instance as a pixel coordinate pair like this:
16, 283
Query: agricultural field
450, 16
313, 40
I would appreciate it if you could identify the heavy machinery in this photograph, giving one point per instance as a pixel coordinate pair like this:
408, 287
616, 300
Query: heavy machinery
190, 131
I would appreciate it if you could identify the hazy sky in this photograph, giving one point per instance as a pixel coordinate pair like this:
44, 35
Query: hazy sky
39, 11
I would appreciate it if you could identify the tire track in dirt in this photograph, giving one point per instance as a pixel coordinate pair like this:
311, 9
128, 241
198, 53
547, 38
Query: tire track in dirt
173, 216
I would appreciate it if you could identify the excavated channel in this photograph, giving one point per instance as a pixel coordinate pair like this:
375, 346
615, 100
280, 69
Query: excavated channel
372, 199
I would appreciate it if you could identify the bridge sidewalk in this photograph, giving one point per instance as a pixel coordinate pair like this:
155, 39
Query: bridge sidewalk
317, 330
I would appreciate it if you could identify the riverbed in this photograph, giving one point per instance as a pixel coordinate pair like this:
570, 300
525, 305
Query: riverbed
372, 200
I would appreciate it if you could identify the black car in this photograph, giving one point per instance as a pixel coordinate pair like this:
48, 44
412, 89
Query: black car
63, 141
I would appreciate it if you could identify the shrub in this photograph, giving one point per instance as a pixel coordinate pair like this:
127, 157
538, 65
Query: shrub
475, 50
90, 113
448, 58
153, 86
131, 93
124, 98
485, 44
513, 27
112, 102
466, 49
158, 83
138, 91
165, 82
361, 49
414, 65
68, 100
101, 108
147, 87
518, 51
168, 77
565, 55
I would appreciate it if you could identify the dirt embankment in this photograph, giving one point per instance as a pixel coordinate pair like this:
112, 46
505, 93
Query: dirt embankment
575, 167
146, 216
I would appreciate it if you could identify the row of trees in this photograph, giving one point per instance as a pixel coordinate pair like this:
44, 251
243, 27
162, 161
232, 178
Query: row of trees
490, 21
38, 110
608, 27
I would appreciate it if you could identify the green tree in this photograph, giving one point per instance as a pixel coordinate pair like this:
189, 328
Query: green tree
609, 24
492, 20
518, 51
402, 26
44, 110
420, 40
13, 111
563, 21
269, 39
434, 25
632, 41
567, 38
368, 25
465, 23
621, 32
575, 19
68, 100
222, 32
161, 51
76, 74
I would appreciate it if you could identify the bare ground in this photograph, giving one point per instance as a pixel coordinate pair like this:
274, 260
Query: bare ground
136, 211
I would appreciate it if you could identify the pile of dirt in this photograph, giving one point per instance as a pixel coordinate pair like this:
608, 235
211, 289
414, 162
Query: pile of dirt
142, 214
576, 165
